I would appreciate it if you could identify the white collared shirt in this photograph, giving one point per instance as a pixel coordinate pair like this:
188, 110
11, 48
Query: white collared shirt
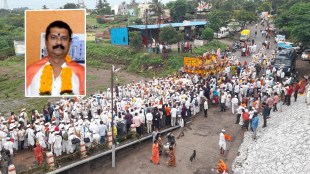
34, 87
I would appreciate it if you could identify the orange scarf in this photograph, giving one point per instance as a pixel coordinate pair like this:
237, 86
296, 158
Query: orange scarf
76, 68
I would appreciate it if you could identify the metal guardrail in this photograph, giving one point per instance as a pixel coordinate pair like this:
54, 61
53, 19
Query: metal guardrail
67, 167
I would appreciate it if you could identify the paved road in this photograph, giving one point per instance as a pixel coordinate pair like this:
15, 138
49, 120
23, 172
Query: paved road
203, 136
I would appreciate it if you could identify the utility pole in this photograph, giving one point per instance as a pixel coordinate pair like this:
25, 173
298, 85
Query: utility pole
112, 123
112, 106
147, 33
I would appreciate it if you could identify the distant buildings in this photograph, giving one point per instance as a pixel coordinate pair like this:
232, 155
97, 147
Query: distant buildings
128, 9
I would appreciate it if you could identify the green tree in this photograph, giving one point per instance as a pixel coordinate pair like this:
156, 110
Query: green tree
103, 7
169, 35
250, 5
157, 8
208, 34
266, 6
70, 6
296, 22
217, 19
44, 7
245, 16
138, 21
178, 10
135, 39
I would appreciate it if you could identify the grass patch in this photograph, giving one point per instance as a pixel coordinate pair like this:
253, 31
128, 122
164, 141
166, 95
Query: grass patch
213, 45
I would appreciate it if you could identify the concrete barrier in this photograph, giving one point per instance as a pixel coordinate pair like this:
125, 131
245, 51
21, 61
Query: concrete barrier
110, 139
83, 150
11, 169
50, 160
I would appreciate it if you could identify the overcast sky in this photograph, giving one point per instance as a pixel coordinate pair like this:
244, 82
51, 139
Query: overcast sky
55, 4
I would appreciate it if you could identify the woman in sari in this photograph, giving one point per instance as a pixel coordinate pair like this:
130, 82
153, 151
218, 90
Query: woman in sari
172, 160
221, 167
38, 153
155, 153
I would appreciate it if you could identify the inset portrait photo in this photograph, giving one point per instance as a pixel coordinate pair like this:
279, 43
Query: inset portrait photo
55, 53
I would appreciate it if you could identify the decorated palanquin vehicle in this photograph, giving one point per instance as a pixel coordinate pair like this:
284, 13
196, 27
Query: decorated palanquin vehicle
204, 65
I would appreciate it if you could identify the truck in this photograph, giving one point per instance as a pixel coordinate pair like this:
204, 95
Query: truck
286, 59
224, 32
245, 35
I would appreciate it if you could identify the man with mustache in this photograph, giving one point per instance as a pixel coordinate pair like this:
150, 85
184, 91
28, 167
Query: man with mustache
56, 74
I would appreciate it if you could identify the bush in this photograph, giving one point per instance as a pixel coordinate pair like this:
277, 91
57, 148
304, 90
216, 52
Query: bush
135, 39
208, 34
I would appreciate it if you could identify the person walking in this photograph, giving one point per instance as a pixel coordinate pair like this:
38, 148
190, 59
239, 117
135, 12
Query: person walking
234, 104
222, 142
221, 167
205, 107
275, 101
246, 119
296, 89
265, 113
289, 92
223, 101
255, 121
155, 153
239, 112
270, 103
172, 159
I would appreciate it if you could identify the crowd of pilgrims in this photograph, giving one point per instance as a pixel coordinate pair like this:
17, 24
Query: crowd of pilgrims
145, 106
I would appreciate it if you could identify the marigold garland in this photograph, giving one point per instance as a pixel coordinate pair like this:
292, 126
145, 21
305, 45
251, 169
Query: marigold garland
66, 84
68, 59
46, 79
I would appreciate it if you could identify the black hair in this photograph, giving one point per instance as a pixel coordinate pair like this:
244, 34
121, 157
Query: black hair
58, 24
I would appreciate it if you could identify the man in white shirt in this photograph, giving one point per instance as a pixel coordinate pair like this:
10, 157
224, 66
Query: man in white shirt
205, 107
8, 145
173, 115
234, 104
21, 137
222, 142
149, 120
41, 138
30, 136
223, 101
57, 144
239, 112
56, 74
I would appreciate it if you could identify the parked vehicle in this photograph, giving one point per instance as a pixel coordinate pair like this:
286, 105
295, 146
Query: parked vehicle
279, 38
305, 55
234, 26
224, 32
245, 35
286, 59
